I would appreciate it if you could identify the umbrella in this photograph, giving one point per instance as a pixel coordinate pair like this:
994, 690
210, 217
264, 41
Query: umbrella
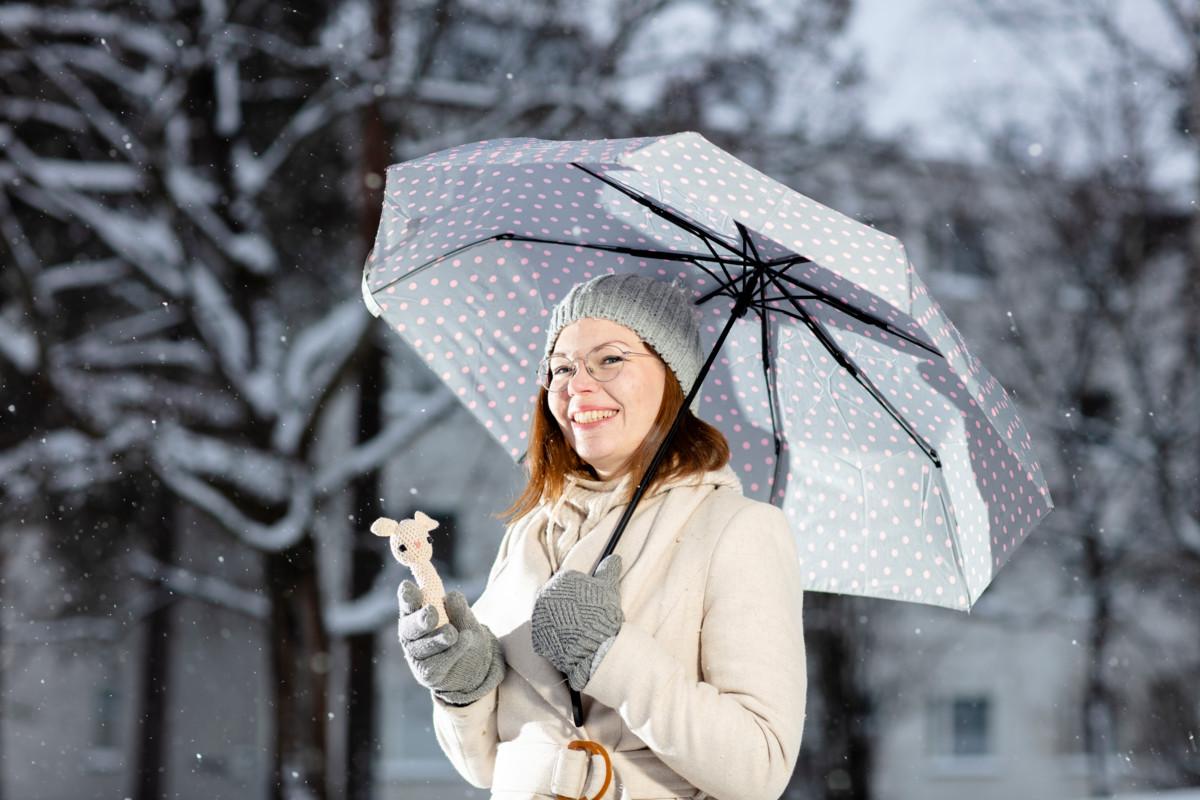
848, 397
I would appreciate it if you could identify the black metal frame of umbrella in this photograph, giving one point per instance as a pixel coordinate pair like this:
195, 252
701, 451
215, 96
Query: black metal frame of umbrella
748, 288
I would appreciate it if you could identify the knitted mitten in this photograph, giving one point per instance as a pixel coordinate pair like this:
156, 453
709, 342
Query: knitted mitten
575, 617
461, 661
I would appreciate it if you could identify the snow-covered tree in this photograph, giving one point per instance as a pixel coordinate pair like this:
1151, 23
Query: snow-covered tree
1104, 315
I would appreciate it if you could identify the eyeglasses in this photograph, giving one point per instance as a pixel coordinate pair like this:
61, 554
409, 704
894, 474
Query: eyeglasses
603, 363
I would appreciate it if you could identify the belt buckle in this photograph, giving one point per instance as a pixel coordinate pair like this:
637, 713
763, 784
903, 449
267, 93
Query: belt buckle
595, 748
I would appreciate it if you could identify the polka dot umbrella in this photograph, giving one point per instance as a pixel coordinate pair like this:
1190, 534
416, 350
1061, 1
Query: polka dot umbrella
847, 396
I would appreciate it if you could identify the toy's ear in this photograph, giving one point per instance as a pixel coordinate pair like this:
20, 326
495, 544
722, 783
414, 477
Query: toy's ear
382, 526
427, 522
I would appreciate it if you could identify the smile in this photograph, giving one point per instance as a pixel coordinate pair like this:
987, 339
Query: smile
589, 417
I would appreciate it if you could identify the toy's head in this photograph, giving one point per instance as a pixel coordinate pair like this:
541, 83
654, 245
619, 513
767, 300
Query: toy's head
410, 539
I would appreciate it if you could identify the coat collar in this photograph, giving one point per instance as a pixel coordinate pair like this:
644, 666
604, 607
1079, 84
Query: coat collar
507, 603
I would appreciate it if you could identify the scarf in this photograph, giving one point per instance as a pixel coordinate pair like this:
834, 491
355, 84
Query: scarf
585, 502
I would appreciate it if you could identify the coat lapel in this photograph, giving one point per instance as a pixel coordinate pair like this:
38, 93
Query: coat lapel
645, 548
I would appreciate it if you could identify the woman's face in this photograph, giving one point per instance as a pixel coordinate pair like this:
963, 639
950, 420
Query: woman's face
629, 402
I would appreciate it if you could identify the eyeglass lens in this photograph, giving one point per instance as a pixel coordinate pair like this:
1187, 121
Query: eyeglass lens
603, 363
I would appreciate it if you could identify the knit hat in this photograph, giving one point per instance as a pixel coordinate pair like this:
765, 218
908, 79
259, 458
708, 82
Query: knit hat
660, 313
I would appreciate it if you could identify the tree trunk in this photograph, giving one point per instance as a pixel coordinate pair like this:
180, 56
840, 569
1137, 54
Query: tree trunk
362, 736
299, 655
361, 731
839, 767
150, 758
3, 718
1098, 723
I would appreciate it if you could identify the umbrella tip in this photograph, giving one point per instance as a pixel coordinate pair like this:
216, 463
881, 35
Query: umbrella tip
368, 300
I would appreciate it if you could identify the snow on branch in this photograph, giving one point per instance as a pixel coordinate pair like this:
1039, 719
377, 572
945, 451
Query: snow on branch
226, 333
330, 103
137, 326
52, 173
313, 364
252, 472
370, 611
275, 537
137, 355
394, 437
19, 109
201, 587
103, 121
1187, 529
147, 243
67, 459
80, 275
22, 19
195, 196
18, 346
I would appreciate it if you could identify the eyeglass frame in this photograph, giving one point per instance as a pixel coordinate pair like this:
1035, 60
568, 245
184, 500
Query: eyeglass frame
545, 362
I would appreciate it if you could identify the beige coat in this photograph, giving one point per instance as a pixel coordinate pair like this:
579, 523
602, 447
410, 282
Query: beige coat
703, 691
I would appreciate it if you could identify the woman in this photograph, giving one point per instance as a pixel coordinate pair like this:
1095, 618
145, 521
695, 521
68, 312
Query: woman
687, 645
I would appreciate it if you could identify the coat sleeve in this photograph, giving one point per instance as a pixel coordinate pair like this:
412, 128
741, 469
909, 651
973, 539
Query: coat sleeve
735, 733
468, 737
468, 734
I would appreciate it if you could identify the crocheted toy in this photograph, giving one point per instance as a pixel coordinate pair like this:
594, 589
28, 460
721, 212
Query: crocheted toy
413, 547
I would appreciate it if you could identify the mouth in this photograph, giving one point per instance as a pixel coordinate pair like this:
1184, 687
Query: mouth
592, 418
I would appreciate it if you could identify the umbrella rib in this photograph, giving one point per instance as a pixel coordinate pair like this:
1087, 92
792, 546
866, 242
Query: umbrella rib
729, 279
728, 284
721, 287
850, 310
516, 237
769, 375
662, 255
844, 361
657, 210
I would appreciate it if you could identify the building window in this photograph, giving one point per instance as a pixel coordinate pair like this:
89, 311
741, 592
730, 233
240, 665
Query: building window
960, 726
959, 245
104, 735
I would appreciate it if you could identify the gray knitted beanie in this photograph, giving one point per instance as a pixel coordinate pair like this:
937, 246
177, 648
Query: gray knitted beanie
660, 313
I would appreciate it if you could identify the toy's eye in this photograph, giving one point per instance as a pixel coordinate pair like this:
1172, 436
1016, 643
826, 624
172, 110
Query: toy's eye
429, 539
403, 549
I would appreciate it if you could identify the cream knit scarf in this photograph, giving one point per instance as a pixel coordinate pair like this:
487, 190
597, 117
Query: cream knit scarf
584, 502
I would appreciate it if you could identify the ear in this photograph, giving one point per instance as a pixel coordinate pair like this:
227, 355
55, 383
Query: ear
427, 522
382, 526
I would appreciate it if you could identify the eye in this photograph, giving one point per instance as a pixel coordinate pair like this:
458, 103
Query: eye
561, 369
429, 539
608, 361
403, 549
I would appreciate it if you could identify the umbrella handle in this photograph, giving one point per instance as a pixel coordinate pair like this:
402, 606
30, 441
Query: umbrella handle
596, 749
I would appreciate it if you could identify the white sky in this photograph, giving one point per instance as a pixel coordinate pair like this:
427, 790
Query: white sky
934, 73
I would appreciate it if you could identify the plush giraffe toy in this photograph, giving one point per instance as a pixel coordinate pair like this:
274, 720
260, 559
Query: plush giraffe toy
413, 547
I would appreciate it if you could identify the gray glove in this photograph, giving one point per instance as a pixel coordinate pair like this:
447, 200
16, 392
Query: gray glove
575, 619
460, 661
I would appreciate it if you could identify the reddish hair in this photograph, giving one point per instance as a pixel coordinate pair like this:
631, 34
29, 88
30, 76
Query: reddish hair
697, 448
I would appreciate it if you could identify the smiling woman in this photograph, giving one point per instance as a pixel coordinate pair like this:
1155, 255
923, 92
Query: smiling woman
678, 700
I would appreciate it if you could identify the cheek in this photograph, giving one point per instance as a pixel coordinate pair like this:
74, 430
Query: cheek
558, 410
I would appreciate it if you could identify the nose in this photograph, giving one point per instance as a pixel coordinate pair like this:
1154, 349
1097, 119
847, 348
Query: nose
581, 374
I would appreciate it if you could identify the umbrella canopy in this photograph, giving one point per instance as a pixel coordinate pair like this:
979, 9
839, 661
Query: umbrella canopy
847, 396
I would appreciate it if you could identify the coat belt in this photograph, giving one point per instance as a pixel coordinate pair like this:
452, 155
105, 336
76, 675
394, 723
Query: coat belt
551, 769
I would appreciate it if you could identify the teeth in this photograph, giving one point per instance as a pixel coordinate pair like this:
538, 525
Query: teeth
593, 416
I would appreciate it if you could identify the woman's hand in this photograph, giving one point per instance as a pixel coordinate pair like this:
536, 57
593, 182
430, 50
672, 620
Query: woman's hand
460, 661
575, 619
